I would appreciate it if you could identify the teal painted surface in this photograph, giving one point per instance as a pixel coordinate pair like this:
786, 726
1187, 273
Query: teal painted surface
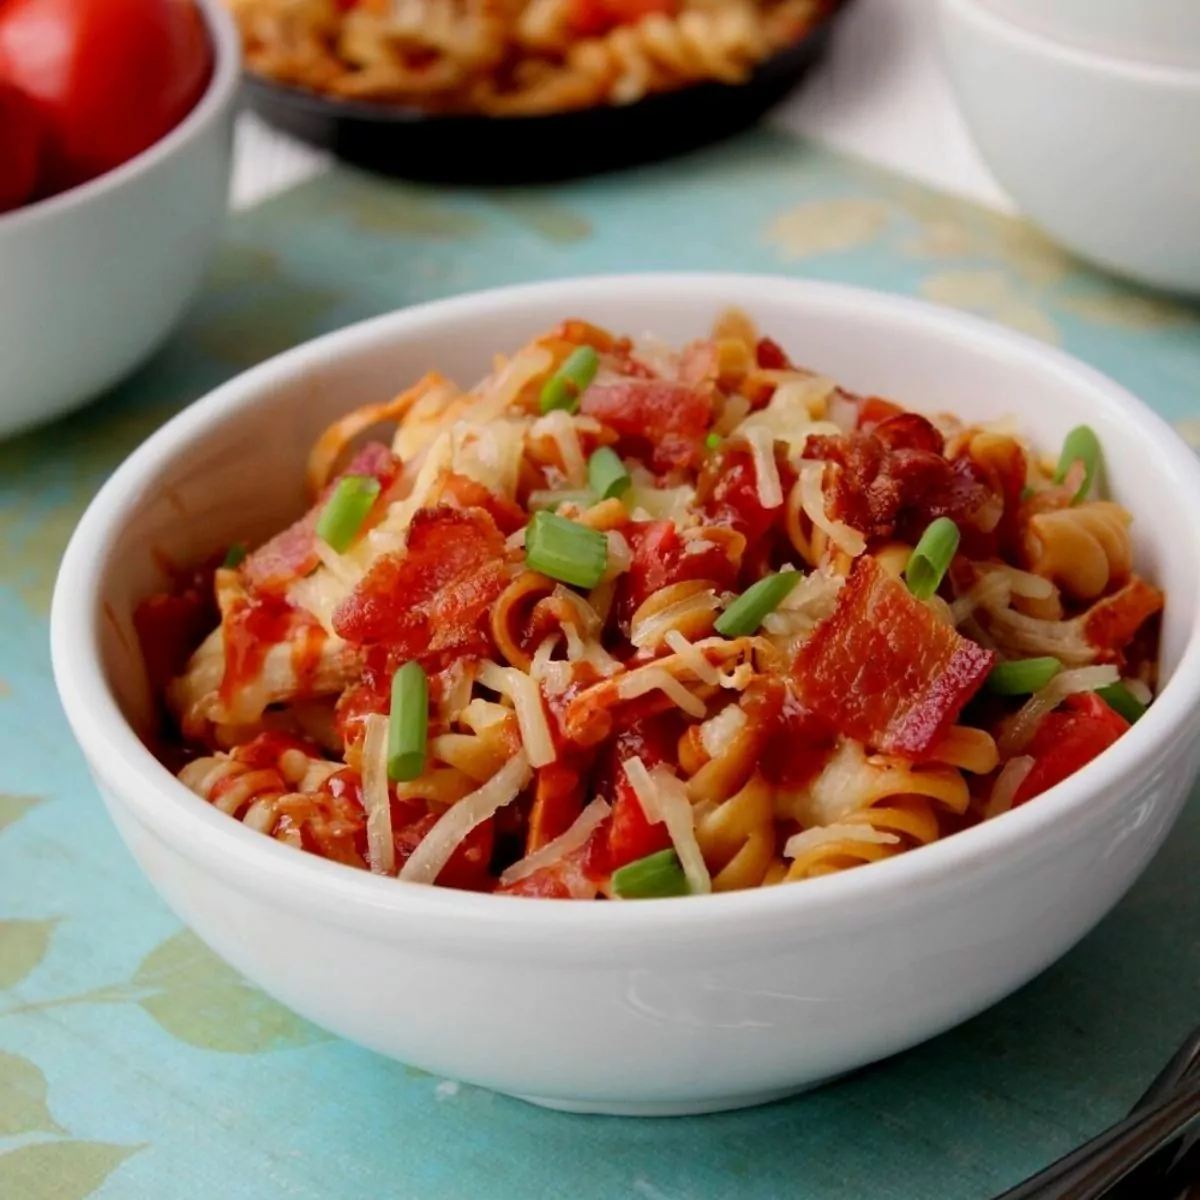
132, 1064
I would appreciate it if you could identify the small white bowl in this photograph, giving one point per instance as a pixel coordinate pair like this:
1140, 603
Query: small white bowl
93, 280
1162, 31
668, 1006
1103, 153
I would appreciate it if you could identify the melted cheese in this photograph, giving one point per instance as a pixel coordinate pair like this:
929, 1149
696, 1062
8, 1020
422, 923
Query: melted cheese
812, 499
647, 679
766, 471
527, 701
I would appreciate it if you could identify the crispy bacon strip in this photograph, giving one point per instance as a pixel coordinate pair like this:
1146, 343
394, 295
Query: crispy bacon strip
884, 670
291, 555
661, 422
435, 596
894, 480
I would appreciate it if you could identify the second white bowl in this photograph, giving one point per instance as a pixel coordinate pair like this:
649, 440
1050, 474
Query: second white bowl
1101, 152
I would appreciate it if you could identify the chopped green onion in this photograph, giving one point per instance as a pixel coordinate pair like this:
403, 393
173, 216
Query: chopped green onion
1022, 677
408, 723
1027, 493
607, 474
566, 550
234, 556
1122, 701
712, 441
570, 381
651, 877
932, 558
745, 614
342, 517
1080, 445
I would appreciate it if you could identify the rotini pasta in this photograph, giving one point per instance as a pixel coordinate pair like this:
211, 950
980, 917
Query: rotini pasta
513, 57
620, 622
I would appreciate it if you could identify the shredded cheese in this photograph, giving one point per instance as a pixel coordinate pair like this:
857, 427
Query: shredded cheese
1020, 728
812, 500
527, 701
693, 657
649, 632
663, 797
439, 844
554, 677
619, 555
566, 843
766, 471
377, 796
718, 733
647, 679
1007, 784
559, 426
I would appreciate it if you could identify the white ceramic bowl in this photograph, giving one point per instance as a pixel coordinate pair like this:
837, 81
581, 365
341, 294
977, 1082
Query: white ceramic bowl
1103, 153
93, 280
1164, 31
668, 1006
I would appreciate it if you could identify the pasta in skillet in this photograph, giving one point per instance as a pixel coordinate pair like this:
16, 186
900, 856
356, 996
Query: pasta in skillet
621, 622
514, 57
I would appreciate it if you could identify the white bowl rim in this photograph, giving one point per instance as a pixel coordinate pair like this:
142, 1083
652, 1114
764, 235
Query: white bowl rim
1030, 41
312, 884
221, 91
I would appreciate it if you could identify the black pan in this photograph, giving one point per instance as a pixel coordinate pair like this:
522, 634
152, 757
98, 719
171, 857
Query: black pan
411, 144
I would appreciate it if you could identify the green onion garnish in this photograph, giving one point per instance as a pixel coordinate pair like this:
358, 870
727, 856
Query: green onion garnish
1027, 493
234, 556
931, 558
566, 550
712, 441
347, 509
570, 381
1080, 445
746, 613
654, 876
1022, 677
408, 723
1122, 701
607, 475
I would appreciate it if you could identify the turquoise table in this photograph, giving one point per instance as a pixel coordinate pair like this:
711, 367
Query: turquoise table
134, 1064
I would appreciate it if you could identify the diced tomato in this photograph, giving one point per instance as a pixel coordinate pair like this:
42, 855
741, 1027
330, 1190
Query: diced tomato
733, 498
799, 743
292, 554
659, 557
21, 147
883, 669
557, 801
630, 835
661, 422
770, 356
436, 595
467, 868
1068, 739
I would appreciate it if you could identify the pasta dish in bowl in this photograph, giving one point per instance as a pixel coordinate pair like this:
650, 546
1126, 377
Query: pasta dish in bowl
630, 622
907, 684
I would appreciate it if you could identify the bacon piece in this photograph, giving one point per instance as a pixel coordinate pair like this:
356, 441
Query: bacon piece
727, 493
436, 595
890, 482
1110, 624
291, 555
661, 422
659, 556
460, 491
884, 670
